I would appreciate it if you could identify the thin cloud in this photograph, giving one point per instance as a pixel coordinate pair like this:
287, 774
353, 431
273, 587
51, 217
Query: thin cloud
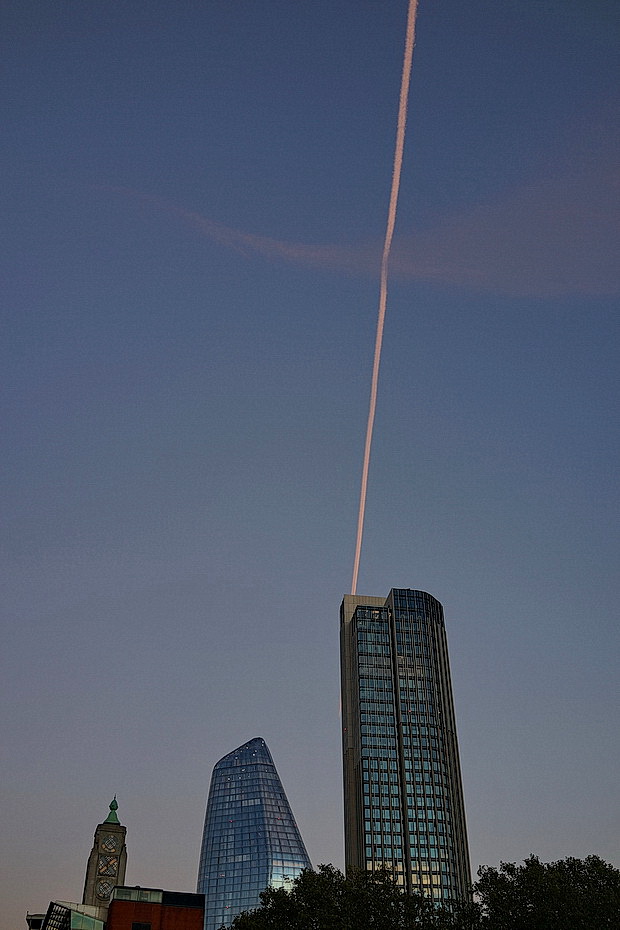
554, 237
341, 258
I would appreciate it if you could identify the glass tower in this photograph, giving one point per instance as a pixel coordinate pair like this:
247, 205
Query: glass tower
402, 782
250, 839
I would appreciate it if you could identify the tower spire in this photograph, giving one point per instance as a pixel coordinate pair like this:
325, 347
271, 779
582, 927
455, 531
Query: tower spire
112, 816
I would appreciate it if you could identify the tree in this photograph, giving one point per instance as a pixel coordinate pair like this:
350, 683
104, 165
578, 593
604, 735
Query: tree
326, 900
571, 894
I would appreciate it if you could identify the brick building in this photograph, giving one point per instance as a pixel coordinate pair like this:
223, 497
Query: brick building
154, 909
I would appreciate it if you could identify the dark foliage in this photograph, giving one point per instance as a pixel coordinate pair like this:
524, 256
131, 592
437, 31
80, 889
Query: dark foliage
326, 900
572, 894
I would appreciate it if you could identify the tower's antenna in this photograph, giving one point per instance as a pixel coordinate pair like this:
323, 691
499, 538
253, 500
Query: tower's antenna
389, 233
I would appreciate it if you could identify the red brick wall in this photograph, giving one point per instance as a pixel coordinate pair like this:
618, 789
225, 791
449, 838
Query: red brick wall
122, 914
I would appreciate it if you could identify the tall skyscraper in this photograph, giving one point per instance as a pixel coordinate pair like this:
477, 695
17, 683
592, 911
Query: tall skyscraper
107, 860
403, 795
250, 839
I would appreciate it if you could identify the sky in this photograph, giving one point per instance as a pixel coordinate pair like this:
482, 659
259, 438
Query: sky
194, 200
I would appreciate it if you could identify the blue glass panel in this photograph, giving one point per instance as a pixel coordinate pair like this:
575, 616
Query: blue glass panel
250, 838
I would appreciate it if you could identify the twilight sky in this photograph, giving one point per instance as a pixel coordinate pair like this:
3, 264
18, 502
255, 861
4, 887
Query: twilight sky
194, 198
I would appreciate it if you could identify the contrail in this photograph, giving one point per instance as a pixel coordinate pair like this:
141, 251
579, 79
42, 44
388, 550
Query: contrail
389, 233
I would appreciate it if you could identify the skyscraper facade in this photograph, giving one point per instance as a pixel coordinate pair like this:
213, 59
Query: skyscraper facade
250, 839
403, 795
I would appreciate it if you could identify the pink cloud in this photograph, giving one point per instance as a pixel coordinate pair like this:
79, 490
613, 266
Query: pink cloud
552, 237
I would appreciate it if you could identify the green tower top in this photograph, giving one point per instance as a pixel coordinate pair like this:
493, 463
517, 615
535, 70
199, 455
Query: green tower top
112, 818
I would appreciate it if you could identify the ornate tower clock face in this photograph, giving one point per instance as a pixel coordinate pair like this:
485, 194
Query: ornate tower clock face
107, 865
110, 844
104, 889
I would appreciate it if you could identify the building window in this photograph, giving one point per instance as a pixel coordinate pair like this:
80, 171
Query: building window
138, 926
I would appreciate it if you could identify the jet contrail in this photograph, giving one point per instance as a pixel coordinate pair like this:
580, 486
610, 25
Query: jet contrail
389, 233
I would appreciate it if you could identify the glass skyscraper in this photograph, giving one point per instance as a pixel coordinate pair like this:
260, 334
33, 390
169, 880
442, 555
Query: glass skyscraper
402, 782
250, 839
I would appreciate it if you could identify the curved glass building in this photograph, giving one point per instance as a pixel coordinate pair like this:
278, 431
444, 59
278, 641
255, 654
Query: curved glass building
402, 779
250, 839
